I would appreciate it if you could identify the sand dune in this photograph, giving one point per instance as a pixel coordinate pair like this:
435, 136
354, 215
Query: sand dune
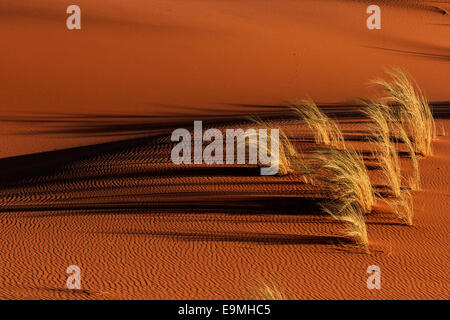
186, 58
85, 170
141, 228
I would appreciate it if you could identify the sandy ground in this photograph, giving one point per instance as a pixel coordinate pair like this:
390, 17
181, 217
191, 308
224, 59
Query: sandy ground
140, 227
138, 64
85, 174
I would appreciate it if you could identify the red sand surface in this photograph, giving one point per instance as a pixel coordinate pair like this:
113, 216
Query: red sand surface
140, 227
191, 58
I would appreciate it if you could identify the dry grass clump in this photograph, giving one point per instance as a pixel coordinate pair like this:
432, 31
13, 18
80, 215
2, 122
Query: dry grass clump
414, 180
345, 176
410, 108
383, 126
300, 165
326, 130
289, 160
403, 207
266, 292
352, 216
381, 122
443, 133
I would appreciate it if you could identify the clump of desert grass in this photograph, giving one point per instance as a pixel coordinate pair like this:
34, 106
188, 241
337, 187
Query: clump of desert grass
411, 109
326, 130
289, 160
352, 216
266, 292
402, 207
443, 133
387, 155
383, 128
414, 180
345, 176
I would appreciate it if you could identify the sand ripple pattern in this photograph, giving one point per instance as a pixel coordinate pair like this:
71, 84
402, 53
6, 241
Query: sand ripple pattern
141, 227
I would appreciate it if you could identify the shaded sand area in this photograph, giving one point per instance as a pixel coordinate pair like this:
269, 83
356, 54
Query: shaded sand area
141, 65
141, 227
85, 172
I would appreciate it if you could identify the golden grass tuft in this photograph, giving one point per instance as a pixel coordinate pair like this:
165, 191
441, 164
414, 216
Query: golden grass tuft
443, 133
326, 130
345, 176
388, 159
414, 180
383, 126
410, 108
403, 207
350, 214
266, 292
289, 160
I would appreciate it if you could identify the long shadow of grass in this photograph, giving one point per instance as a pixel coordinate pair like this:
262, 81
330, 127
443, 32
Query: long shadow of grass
227, 204
262, 238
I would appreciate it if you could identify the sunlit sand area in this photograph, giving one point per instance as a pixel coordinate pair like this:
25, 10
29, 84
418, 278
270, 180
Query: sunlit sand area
87, 170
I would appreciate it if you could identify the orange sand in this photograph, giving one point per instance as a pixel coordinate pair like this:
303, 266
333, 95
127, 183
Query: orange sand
191, 58
140, 227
